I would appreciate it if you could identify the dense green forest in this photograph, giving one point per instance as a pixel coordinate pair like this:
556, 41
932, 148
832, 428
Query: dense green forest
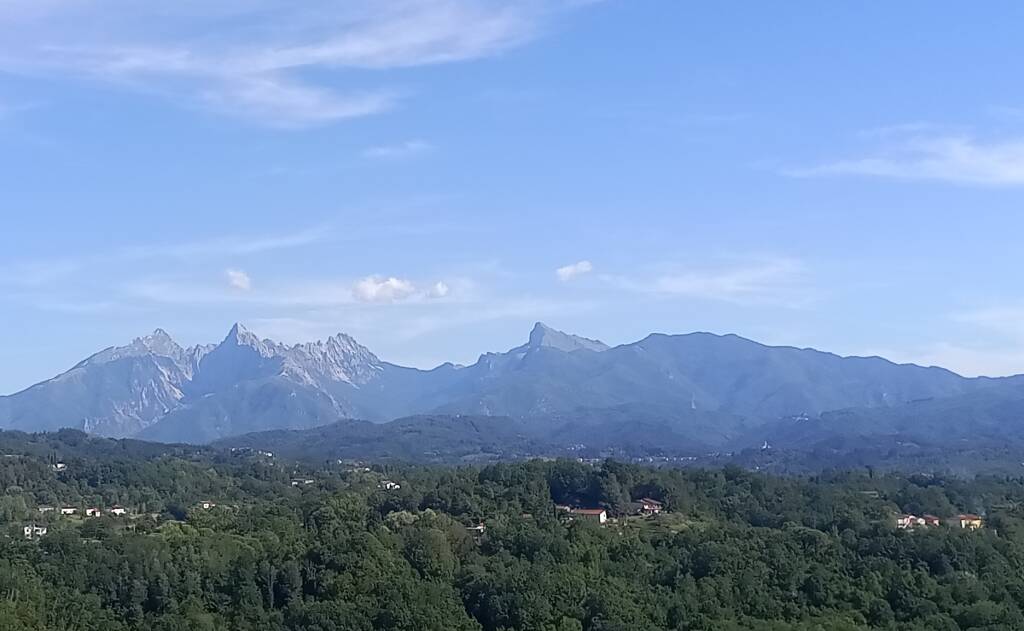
340, 548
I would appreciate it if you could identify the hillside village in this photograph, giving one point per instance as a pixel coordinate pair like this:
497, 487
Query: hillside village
118, 512
213, 509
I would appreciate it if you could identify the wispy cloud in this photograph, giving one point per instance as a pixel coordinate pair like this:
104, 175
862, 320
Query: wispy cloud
42, 271
407, 149
779, 281
36, 273
292, 293
970, 361
941, 156
237, 279
1004, 320
282, 103
9, 109
254, 59
45, 272
229, 245
991, 344
569, 272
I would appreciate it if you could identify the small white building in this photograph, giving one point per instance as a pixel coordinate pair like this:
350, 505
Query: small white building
34, 531
93, 512
907, 521
60, 466
206, 505
45, 509
118, 511
651, 507
388, 485
68, 510
599, 515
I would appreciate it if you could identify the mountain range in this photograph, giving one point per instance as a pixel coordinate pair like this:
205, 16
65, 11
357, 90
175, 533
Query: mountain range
682, 393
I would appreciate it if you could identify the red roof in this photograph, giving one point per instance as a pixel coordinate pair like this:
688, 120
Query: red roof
588, 511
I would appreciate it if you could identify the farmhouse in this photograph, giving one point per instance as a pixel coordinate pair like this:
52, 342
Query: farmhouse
388, 485
93, 512
68, 510
651, 507
906, 521
45, 509
931, 520
118, 510
599, 515
967, 520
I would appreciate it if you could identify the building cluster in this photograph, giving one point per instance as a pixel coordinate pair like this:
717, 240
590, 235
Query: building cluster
33, 531
967, 521
92, 511
645, 506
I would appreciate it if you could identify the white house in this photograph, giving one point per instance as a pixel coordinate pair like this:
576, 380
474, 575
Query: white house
60, 466
45, 509
206, 505
906, 521
93, 512
599, 515
68, 510
119, 511
650, 507
34, 531
388, 485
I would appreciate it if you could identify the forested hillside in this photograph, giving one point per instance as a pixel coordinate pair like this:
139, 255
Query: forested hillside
243, 540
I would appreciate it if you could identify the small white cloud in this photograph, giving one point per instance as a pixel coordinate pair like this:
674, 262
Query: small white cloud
391, 289
239, 280
439, 290
406, 149
570, 272
380, 289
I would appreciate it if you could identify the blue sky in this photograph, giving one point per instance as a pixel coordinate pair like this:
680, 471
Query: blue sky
432, 176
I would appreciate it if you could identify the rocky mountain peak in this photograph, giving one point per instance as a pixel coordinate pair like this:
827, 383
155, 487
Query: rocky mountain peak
241, 336
544, 336
159, 342
339, 358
